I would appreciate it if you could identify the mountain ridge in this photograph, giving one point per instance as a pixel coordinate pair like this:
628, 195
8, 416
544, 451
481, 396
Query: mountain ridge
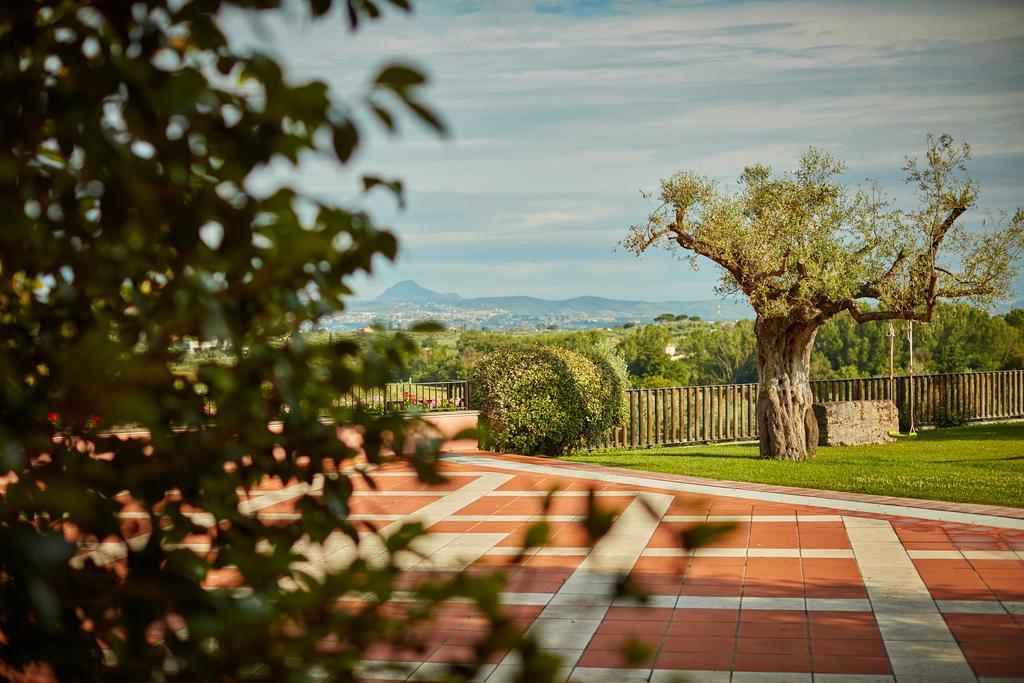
586, 306
410, 290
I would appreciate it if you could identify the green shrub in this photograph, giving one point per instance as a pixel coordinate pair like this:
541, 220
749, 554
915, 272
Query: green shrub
948, 418
547, 400
614, 383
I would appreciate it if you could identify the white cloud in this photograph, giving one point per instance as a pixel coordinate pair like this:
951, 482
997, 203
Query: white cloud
559, 118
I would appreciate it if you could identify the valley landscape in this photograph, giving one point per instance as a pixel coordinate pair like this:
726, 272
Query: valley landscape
407, 302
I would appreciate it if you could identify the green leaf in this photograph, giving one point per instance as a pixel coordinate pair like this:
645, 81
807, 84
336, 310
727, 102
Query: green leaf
537, 535
384, 116
370, 182
346, 139
636, 652
399, 77
319, 7
427, 116
703, 534
597, 521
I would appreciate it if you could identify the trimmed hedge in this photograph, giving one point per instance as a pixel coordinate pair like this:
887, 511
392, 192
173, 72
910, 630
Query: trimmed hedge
614, 384
547, 400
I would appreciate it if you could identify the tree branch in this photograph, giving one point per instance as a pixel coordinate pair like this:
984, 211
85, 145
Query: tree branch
868, 316
940, 234
784, 266
870, 289
687, 241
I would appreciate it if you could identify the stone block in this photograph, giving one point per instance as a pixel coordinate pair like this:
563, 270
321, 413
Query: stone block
855, 423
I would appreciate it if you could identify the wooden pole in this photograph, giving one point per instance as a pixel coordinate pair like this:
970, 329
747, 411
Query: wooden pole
891, 333
910, 369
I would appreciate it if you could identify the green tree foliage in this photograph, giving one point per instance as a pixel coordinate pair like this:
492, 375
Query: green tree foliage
722, 354
546, 399
613, 381
647, 360
959, 338
129, 131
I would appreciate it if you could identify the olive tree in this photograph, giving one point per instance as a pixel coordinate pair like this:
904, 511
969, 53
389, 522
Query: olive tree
803, 248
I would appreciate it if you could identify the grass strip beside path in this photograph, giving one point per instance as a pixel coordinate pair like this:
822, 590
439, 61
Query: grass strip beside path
974, 464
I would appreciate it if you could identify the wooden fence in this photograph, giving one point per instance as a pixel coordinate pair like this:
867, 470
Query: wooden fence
725, 412
421, 396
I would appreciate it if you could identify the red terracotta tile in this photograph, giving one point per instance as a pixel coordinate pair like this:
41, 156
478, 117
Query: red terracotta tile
618, 641
638, 613
755, 629
770, 662
862, 647
694, 661
780, 645
998, 668
607, 659
1010, 648
774, 616
706, 644
705, 615
634, 628
724, 590
827, 664
702, 628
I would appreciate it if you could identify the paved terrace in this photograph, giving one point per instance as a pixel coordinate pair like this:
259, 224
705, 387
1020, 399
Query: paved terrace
803, 588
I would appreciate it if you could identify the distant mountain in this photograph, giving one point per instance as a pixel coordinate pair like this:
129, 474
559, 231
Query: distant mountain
408, 301
411, 291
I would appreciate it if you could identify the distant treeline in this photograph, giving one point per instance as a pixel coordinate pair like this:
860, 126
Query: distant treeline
686, 351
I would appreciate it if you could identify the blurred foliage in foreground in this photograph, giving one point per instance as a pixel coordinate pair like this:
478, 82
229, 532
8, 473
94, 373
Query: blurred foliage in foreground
128, 132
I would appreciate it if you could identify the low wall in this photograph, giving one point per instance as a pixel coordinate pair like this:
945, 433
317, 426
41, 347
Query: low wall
450, 425
444, 426
855, 423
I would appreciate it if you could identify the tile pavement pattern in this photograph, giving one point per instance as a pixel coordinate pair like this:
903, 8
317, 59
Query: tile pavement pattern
800, 588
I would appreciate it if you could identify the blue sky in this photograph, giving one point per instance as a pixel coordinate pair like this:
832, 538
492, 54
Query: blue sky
561, 112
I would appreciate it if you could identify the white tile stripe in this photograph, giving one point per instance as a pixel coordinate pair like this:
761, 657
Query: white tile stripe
419, 671
966, 554
818, 553
680, 552
338, 549
416, 671
732, 603
572, 615
445, 507
259, 500
729, 492
792, 519
542, 493
374, 474
913, 630
496, 494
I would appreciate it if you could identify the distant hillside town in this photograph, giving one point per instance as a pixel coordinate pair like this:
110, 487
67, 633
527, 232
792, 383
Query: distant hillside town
407, 302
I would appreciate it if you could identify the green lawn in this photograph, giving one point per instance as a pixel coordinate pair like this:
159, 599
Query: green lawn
977, 464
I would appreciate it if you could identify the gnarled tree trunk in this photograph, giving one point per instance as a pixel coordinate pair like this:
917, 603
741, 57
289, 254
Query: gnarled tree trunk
785, 422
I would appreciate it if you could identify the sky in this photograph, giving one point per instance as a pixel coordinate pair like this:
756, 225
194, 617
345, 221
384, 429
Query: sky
561, 113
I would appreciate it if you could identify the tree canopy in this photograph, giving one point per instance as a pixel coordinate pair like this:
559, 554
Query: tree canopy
802, 245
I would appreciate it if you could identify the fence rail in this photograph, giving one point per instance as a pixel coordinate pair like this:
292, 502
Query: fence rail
725, 412
423, 396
